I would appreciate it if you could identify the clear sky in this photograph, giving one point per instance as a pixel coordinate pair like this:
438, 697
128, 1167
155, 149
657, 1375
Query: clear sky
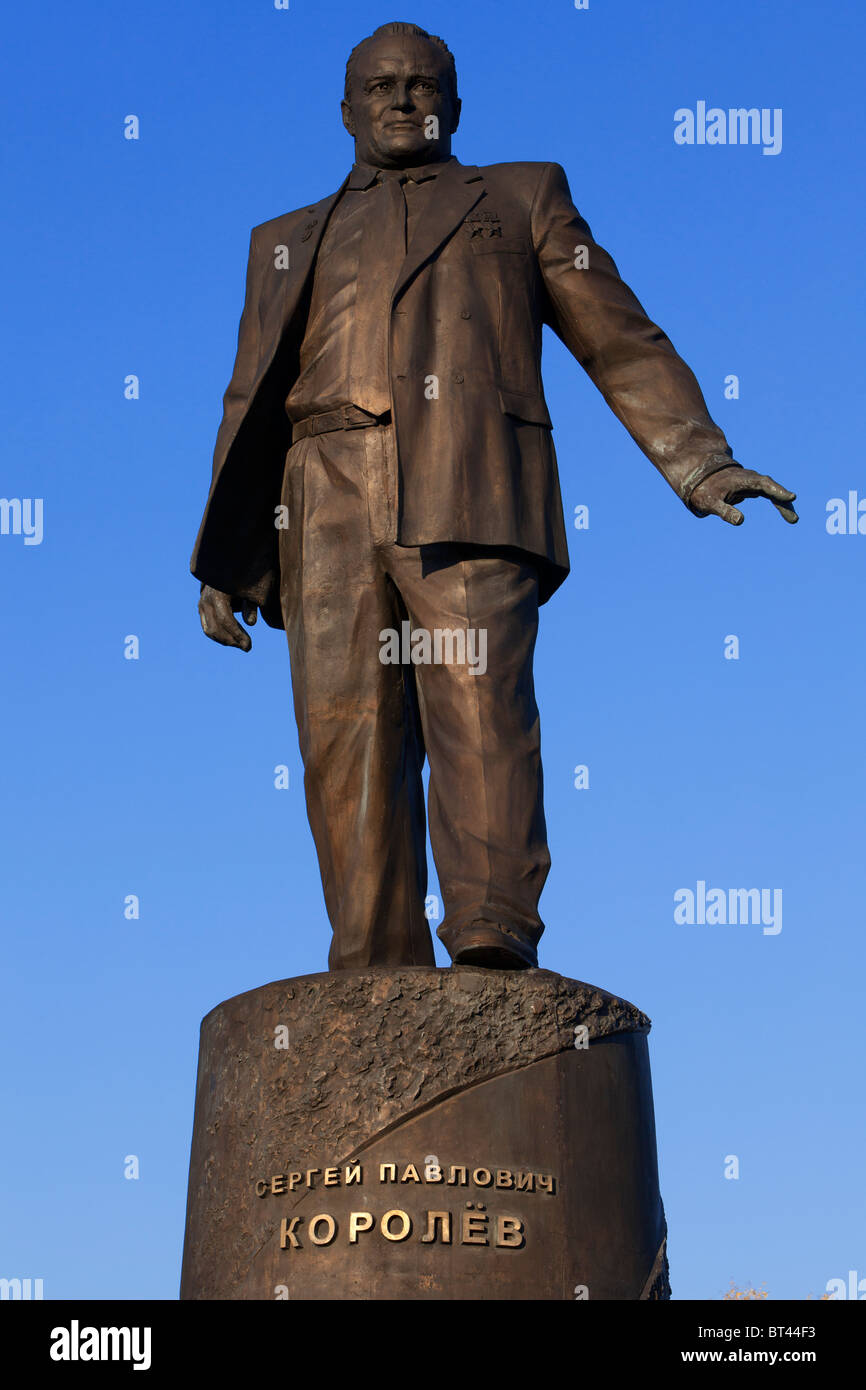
155, 776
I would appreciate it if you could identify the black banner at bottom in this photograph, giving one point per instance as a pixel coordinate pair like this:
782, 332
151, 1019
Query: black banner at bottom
150, 1338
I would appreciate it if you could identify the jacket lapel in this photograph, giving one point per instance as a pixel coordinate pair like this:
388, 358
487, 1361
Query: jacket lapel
280, 307
458, 188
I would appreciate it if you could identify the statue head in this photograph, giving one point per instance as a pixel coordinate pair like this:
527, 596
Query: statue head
401, 103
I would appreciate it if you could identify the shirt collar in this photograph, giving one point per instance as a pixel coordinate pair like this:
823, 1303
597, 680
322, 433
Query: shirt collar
364, 175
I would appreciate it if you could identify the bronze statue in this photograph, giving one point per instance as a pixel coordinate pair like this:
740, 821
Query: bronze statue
385, 466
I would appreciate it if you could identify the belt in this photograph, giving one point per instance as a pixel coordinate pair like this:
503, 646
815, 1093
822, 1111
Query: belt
348, 417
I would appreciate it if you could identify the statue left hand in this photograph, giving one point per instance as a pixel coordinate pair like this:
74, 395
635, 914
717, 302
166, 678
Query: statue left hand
715, 494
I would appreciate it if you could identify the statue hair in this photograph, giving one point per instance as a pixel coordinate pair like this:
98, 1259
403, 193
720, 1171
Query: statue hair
397, 27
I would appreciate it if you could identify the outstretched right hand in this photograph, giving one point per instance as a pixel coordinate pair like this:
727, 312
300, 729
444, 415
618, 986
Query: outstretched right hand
218, 622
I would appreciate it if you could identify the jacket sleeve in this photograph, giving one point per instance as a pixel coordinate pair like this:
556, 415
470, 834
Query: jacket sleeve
236, 548
645, 382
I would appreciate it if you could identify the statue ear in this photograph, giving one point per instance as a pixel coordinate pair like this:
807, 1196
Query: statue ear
348, 118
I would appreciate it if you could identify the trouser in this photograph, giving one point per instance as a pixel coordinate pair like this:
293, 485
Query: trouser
365, 724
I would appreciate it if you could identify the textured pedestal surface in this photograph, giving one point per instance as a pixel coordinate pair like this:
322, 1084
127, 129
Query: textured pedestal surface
342, 1118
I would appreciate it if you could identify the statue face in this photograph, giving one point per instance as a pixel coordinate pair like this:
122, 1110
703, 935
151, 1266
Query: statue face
398, 82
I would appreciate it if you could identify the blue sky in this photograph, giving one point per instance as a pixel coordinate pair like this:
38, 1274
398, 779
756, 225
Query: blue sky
155, 776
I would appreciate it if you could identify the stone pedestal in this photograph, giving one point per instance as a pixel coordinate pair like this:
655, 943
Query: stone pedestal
424, 1134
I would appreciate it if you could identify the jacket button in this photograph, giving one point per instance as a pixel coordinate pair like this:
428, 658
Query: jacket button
458, 376
465, 314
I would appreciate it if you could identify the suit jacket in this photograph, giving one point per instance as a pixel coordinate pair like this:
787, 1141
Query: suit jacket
497, 256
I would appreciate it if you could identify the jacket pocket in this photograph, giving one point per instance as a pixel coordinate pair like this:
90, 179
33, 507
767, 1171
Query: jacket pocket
525, 407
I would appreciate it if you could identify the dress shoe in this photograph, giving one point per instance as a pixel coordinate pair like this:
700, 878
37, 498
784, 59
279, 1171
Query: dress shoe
497, 947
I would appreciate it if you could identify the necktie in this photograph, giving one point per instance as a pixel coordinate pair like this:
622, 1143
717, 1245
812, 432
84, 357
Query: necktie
382, 250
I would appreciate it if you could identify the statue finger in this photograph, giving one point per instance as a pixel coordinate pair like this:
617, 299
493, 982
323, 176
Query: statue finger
729, 514
776, 492
785, 511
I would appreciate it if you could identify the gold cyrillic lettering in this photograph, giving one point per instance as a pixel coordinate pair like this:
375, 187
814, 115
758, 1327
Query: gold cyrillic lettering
360, 1221
405, 1227
330, 1228
473, 1228
509, 1232
287, 1233
444, 1218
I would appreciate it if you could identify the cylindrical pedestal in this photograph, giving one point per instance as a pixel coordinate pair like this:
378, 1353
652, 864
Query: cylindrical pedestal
424, 1134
